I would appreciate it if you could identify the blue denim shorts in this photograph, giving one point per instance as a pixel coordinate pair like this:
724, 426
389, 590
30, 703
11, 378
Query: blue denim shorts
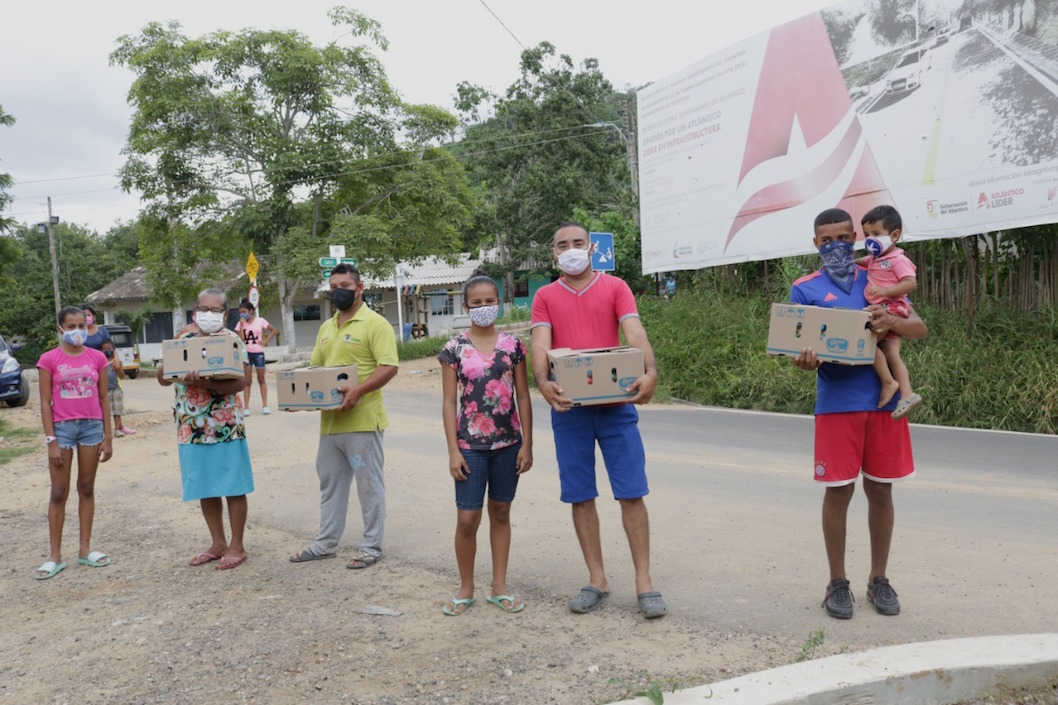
256, 360
616, 430
495, 468
79, 432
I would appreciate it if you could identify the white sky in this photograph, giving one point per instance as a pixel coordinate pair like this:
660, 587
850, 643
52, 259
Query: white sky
72, 118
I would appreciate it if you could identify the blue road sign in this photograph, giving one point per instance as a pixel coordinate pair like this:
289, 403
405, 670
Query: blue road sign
602, 259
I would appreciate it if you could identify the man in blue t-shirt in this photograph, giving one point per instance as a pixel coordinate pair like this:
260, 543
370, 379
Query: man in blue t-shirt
853, 436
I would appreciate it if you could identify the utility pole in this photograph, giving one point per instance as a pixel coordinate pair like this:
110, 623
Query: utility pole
632, 148
54, 260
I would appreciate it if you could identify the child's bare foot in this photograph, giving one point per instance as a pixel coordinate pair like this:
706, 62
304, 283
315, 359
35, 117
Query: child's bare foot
889, 389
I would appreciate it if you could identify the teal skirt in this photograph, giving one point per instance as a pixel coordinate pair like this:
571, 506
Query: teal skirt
215, 469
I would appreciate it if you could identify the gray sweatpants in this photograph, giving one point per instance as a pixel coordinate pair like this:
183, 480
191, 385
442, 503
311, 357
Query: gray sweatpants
341, 457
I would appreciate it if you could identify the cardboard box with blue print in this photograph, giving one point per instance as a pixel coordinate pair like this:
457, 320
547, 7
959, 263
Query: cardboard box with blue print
314, 387
216, 356
839, 335
596, 376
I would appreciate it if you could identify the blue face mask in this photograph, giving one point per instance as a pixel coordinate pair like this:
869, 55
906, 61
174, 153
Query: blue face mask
244, 316
838, 263
75, 337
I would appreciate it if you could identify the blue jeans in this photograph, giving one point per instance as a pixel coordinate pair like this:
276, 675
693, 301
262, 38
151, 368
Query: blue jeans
496, 469
78, 432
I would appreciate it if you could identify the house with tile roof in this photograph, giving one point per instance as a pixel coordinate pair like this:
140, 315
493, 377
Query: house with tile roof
428, 293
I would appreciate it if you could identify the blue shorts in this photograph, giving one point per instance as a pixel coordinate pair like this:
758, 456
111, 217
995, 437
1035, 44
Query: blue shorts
495, 468
256, 360
78, 432
616, 429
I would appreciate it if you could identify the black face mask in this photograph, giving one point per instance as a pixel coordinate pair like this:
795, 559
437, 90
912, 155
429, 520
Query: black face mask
343, 299
108, 353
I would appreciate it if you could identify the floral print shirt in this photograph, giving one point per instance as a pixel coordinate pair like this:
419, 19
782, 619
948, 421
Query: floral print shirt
203, 417
487, 417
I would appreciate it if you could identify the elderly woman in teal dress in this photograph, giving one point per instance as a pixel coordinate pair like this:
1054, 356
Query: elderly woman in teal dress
211, 438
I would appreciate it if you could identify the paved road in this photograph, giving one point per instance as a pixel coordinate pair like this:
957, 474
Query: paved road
735, 519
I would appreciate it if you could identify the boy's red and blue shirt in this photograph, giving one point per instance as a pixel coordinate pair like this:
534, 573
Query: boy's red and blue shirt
841, 388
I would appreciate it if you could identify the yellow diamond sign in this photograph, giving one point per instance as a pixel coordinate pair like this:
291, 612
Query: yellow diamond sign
252, 266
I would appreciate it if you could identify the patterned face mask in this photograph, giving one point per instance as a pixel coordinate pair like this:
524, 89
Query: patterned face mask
838, 263
484, 316
76, 337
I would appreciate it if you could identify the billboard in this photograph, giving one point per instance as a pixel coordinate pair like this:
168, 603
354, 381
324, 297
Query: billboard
946, 109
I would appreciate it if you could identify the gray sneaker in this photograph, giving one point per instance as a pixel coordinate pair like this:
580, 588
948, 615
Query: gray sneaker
882, 595
838, 601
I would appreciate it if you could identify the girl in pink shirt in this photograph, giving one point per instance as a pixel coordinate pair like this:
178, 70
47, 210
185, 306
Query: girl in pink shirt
256, 333
73, 409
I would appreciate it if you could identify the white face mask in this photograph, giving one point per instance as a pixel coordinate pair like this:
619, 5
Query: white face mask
574, 261
209, 322
484, 316
878, 244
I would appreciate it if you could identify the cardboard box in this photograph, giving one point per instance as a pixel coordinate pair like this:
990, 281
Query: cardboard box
314, 387
836, 334
596, 376
216, 356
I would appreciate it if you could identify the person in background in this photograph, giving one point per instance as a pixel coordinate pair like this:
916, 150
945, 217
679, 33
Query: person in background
488, 421
96, 333
256, 332
351, 436
73, 409
115, 373
211, 440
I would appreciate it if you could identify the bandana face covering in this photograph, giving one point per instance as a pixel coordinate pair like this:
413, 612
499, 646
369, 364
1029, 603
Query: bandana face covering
838, 263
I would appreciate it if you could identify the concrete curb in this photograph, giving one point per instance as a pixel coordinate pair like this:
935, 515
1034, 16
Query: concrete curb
935, 672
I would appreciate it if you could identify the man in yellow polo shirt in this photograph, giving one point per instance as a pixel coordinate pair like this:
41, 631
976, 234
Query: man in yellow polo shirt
351, 437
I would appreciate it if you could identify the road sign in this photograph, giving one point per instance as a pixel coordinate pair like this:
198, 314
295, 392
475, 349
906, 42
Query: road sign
337, 250
602, 256
326, 274
254, 297
328, 261
349, 260
252, 267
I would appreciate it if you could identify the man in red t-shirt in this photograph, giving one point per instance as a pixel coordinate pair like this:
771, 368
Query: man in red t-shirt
587, 309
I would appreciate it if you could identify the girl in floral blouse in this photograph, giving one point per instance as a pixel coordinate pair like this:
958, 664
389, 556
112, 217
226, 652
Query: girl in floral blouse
490, 437
211, 438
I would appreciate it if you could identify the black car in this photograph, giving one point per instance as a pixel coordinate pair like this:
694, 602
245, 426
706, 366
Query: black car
14, 387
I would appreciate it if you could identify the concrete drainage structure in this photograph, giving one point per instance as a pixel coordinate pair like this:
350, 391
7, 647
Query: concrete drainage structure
926, 673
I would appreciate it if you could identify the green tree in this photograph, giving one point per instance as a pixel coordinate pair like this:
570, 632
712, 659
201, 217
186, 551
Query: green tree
86, 262
273, 137
550, 148
9, 250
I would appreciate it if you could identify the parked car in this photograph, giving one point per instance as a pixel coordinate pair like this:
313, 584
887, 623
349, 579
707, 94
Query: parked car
14, 387
126, 349
907, 74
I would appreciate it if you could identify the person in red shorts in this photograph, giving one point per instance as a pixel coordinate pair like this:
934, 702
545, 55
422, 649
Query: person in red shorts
853, 436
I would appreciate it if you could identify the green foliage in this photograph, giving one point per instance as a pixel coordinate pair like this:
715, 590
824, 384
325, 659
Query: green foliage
543, 154
710, 347
813, 642
5, 197
86, 262
423, 347
515, 314
17, 441
652, 691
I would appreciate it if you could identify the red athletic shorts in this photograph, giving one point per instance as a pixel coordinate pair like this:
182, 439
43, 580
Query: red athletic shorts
871, 442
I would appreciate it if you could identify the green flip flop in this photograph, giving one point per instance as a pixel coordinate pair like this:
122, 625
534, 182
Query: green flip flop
50, 570
95, 559
506, 603
454, 611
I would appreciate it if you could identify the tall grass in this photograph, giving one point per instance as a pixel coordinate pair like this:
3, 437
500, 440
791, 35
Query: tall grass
711, 350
